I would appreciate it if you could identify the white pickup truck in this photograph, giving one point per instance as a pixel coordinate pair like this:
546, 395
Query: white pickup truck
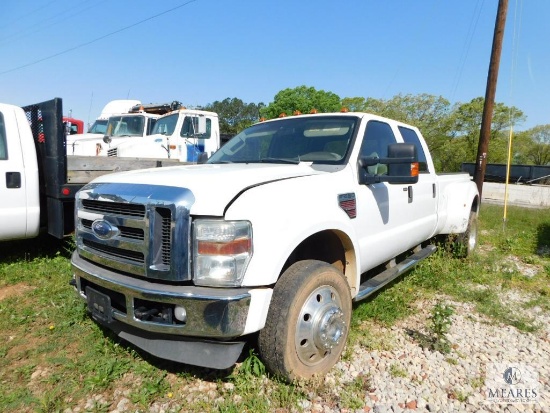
278, 233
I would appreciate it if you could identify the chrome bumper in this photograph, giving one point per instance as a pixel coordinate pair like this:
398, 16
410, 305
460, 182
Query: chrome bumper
218, 313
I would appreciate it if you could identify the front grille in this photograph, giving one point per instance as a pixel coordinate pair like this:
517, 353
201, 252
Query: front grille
166, 240
126, 232
119, 208
136, 228
112, 152
119, 253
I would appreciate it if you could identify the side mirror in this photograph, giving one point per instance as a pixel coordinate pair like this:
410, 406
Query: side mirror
202, 126
107, 139
402, 166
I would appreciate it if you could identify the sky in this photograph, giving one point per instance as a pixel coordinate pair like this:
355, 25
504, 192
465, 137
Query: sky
89, 52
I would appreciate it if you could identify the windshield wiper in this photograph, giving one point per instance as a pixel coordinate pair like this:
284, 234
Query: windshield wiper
280, 160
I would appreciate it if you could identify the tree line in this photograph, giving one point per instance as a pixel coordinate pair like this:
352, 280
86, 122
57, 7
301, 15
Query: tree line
451, 130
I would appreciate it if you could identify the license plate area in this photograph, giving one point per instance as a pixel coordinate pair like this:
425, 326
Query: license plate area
99, 305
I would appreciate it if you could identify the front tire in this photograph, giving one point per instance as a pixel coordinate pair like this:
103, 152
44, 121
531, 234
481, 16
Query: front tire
308, 321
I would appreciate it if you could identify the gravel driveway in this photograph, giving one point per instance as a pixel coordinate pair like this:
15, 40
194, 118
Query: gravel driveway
408, 377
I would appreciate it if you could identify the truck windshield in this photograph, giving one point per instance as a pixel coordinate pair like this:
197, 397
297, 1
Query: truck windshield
99, 126
166, 125
125, 126
318, 139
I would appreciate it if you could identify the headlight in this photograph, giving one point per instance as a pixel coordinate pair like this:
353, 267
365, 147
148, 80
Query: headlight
221, 252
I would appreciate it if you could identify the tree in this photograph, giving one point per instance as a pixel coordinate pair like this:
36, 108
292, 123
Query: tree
467, 124
302, 99
234, 114
356, 104
427, 112
533, 145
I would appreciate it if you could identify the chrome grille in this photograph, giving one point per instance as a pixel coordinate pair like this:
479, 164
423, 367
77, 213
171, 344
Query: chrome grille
108, 207
131, 228
112, 152
127, 232
115, 252
166, 237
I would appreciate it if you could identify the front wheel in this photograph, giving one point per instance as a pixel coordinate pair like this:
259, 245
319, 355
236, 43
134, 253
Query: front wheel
308, 321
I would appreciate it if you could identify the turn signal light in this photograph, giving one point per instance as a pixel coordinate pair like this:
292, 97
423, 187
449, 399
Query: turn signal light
414, 169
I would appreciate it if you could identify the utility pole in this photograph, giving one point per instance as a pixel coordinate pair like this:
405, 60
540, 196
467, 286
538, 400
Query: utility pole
485, 132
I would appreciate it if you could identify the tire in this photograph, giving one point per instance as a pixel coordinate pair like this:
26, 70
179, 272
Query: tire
308, 321
466, 242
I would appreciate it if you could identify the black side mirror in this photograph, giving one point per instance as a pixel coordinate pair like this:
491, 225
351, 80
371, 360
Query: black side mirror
107, 139
402, 166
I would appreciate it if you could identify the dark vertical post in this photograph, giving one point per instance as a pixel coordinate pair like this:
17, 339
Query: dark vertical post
485, 132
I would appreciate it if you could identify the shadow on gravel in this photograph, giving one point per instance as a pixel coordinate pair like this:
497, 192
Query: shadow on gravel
543, 240
43, 246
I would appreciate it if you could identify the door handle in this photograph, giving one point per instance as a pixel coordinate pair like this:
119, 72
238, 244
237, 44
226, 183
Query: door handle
13, 179
410, 192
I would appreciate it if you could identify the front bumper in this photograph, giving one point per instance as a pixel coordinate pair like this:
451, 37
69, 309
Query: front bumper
215, 313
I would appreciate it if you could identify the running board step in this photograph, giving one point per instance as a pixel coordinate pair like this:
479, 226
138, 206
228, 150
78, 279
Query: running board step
375, 283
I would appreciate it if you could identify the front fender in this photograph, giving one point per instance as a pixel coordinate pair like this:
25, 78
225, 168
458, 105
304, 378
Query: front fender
285, 213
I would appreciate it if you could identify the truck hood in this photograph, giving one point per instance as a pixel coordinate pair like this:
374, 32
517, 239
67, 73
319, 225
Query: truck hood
213, 186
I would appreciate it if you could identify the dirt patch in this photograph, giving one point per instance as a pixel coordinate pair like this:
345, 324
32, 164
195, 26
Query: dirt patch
8, 291
512, 263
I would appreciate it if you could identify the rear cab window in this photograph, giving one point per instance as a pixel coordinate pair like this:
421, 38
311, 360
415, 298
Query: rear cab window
3, 139
410, 136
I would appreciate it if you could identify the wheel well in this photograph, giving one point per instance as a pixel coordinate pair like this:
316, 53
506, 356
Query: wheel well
332, 247
475, 204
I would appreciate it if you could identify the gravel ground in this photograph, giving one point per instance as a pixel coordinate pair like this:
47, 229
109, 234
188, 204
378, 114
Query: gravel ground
404, 377
430, 381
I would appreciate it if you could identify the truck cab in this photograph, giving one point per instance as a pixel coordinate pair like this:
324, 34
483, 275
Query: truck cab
73, 126
119, 129
99, 127
185, 134
20, 209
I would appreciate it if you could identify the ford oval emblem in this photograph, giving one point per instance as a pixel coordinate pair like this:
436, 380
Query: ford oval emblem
103, 229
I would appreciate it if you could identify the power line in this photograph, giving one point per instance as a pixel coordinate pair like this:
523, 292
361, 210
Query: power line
466, 48
44, 22
98, 38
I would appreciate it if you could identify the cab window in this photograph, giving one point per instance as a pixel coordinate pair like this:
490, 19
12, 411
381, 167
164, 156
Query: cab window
378, 136
190, 128
3, 143
410, 136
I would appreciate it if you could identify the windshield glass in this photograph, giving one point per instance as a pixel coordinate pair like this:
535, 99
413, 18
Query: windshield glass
319, 139
99, 126
166, 125
125, 126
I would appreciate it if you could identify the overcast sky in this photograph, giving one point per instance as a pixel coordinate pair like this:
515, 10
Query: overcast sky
89, 52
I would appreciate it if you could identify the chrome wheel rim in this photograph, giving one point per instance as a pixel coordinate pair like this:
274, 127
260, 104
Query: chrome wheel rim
472, 236
320, 326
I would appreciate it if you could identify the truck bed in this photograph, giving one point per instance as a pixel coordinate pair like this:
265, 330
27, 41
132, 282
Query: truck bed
82, 169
